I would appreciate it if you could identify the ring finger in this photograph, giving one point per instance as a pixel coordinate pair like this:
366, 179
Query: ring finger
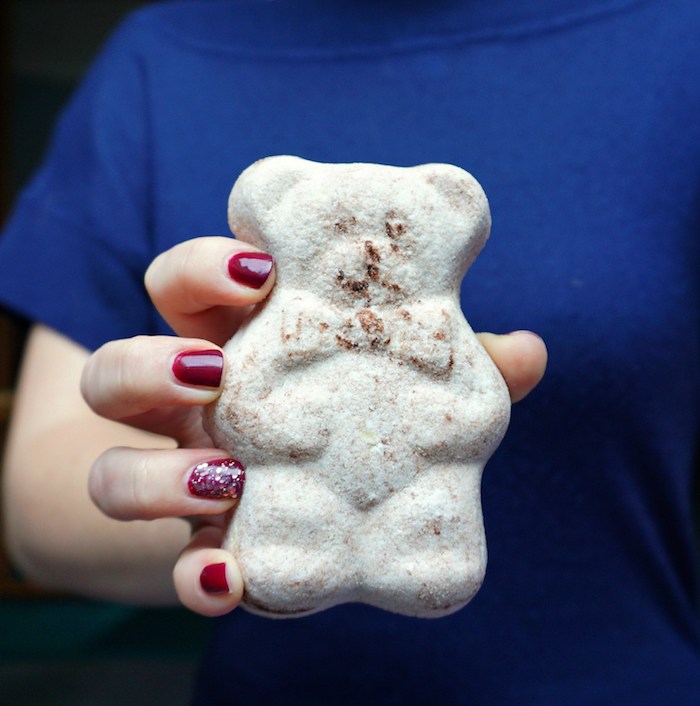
137, 484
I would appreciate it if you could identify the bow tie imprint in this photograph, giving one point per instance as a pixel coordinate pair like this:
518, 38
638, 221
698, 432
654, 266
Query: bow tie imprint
408, 335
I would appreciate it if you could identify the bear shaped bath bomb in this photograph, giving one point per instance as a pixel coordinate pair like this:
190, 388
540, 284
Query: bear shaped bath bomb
357, 396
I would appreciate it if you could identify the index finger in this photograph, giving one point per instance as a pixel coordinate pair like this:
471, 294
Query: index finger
206, 286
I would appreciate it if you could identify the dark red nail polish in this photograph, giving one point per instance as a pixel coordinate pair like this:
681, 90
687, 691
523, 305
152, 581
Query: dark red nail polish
250, 268
220, 479
213, 579
203, 368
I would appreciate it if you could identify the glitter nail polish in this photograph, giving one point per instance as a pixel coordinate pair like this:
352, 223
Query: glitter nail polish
219, 479
250, 268
213, 579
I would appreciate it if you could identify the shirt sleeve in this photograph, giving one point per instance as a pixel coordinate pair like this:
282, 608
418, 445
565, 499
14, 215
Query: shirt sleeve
76, 245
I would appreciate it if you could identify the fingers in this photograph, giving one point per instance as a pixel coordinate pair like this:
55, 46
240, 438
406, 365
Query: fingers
521, 358
126, 378
145, 484
130, 484
207, 578
204, 287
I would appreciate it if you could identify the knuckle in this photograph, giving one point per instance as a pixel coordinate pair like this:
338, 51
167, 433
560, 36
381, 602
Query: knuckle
101, 483
153, 275
108, 375
141, 483
170, 267
120, 485
127, 371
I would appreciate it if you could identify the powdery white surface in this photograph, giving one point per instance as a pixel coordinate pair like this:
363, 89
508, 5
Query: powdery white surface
358, 397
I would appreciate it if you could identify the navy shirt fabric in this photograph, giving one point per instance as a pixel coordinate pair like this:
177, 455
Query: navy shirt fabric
580, 118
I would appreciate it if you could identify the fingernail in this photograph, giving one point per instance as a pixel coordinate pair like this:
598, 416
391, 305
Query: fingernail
250, 268
220, 479
213, 579
203, 368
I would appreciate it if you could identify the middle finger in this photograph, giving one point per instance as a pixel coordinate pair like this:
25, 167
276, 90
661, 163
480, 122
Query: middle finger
127, 378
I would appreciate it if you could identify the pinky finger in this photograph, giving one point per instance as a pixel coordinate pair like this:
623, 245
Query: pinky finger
206, 577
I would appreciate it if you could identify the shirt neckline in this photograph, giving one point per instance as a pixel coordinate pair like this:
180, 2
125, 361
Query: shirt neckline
321, 28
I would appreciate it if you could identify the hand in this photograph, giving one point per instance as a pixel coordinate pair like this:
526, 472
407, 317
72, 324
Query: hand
520, 356
203, 288
140, 382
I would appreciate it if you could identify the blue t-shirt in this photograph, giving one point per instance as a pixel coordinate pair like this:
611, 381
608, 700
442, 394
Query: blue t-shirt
581, 119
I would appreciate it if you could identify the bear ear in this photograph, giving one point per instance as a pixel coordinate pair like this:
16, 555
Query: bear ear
466, 204
463, 195
257, 190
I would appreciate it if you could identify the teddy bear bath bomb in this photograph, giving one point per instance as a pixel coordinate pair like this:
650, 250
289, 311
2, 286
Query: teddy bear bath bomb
357, 396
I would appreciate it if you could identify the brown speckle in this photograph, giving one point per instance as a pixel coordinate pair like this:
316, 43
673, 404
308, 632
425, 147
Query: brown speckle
356, 286
432, 526
372, 252
417, 362
370, 322
345, 342
392, 286
430, 598
395, 230
343, 225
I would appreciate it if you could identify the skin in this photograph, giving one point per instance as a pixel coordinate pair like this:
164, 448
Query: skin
101, 446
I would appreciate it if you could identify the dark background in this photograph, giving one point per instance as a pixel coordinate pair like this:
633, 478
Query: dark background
57, 649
